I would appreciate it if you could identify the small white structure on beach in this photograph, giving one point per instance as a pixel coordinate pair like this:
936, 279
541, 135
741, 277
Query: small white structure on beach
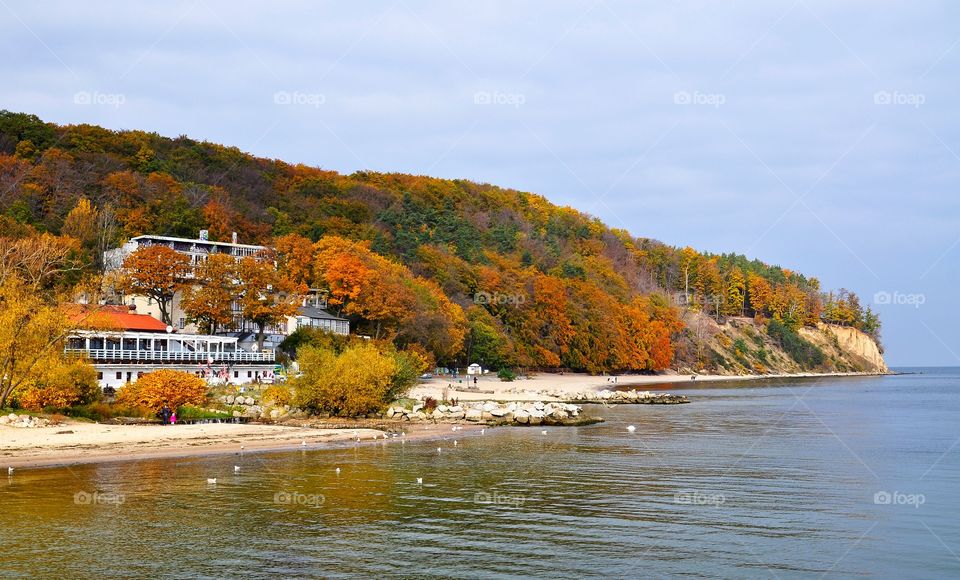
474, 369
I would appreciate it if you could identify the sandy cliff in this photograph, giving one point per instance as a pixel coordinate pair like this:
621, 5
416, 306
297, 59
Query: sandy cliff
741, 346
853, 345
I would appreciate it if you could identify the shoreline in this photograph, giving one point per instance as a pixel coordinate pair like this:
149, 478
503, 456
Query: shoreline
555, 387
75, 443
201, 440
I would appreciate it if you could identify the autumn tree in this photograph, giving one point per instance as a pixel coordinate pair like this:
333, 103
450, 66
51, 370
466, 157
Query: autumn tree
759, 294
157, 272
295, 257
266, 297
736, 286
62, 385
209, 300
357, 380
688, 263
32, 335
81, 224
164, 387
39, 261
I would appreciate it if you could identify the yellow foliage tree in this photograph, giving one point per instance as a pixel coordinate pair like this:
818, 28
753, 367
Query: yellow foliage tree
81, 223
32, 335
355, 382
71, 383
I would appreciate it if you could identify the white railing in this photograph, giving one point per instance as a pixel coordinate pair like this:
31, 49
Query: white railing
113, 354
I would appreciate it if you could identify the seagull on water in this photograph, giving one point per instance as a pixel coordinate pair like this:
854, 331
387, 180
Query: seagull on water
544, 432
338, 471
482, 431
454, 442
212, 480
631, 428
420, 481
303, 444
439, 450
9, 471
236, 468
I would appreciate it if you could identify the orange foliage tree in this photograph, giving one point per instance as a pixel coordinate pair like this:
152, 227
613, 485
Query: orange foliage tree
165, 386
157, 272
267, 297
209, 302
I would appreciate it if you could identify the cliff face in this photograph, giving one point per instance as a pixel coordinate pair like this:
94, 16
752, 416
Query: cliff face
853, 345
742, 346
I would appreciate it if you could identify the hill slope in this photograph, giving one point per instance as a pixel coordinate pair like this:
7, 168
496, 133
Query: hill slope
519, 281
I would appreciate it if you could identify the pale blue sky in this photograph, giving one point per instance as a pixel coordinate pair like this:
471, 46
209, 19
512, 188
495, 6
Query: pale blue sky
818, 135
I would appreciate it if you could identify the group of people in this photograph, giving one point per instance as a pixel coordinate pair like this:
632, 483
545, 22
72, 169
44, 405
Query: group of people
168, 416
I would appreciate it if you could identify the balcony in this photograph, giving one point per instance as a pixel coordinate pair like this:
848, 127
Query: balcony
162, 356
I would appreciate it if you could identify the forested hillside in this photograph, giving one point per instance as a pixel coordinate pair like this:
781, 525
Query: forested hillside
469, 272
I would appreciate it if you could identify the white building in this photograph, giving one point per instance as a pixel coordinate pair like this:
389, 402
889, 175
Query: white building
311, 314
136, 344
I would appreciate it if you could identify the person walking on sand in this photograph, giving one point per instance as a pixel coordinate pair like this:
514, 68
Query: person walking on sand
165, 413
173, 418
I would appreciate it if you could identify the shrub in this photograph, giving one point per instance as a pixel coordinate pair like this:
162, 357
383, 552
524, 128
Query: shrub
410, 365
506, 374
278, 395
104, 412
740, 346
74, 383
189, 412
429, 404
173, 388
357, 381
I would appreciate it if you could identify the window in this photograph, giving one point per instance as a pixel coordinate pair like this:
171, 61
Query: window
236, 374
119, 375
249, 374
183, 323
99, 376
129, 376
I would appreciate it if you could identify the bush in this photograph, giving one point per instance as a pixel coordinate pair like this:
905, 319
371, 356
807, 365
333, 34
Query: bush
74, 383
278, 395
173, 388
355, 382
105, 412
803, 352
506, 374
190, 413
410, 365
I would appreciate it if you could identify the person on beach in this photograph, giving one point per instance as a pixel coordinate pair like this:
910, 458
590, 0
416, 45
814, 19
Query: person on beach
165, 414
173, 418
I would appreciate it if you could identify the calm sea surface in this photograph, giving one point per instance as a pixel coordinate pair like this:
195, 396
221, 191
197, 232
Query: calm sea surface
825, 477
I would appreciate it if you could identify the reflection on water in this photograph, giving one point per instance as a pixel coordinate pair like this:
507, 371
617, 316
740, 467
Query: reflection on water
749, 480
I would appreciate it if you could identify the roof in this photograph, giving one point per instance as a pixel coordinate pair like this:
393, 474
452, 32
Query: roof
317, 313
113, 318
198, 241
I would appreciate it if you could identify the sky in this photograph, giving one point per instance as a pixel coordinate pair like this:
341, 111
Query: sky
822, 136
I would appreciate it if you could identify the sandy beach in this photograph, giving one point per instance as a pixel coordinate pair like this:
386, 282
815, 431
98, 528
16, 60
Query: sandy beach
79, 442
538, 386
